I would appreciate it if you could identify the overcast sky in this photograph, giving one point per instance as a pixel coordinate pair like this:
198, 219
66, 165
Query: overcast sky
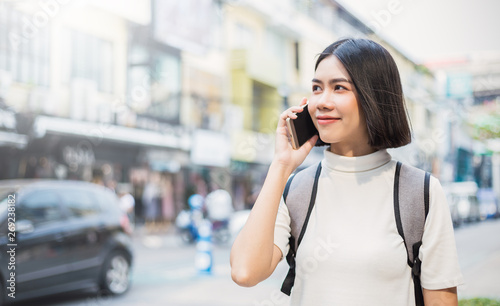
427, 30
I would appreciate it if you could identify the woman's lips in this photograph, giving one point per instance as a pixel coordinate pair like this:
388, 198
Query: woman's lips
322, 120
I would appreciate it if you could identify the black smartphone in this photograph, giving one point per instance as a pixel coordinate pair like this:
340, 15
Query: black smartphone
301, 129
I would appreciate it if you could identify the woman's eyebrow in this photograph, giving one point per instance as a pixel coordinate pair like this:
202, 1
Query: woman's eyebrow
332, 81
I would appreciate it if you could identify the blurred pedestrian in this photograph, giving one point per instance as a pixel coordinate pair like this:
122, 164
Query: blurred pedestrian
219, 205
127, 201
98, 177
167, 204
151, 199
351, 252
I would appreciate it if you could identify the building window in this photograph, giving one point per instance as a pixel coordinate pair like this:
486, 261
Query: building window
323, 12
154, 77
243, 37
91, 58
165, 87
24, 49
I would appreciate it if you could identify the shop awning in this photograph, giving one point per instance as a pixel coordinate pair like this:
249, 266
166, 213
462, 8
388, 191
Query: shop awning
11, 139
96, 132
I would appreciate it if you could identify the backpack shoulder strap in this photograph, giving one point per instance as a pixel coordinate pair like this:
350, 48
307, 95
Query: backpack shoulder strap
411, 206
300, 192
301, 188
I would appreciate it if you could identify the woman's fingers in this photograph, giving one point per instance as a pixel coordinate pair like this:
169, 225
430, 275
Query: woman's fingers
292, 111
310, 143
289, 113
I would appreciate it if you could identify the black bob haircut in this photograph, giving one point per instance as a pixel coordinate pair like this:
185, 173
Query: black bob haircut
380, 94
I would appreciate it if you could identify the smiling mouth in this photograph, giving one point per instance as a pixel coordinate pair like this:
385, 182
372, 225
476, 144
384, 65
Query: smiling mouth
327, 120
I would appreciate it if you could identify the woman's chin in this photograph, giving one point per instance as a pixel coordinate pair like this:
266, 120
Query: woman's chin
327, 140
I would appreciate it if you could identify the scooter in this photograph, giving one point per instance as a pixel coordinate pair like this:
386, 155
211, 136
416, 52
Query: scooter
189, 221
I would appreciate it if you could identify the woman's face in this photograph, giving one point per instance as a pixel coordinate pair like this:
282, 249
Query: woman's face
335, 110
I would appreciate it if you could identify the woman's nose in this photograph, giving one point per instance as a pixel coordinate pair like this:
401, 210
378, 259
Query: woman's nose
326, 101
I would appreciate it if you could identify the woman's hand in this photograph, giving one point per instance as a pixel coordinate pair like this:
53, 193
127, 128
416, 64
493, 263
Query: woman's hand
284, 154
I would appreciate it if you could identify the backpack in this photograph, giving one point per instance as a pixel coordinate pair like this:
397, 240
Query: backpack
411, 206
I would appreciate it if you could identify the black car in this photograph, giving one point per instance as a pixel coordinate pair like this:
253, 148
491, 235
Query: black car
59, 236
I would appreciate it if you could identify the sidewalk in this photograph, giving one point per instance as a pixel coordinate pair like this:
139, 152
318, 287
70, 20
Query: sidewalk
478, 248
219, 290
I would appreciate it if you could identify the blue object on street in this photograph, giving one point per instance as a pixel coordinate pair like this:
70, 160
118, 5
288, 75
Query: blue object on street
196, 202
204, 257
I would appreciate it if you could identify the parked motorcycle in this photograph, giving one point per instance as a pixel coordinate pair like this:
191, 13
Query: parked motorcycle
216, 208
189, 221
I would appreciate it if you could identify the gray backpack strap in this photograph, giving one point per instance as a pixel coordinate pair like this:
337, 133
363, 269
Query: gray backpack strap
411, 206
299, 196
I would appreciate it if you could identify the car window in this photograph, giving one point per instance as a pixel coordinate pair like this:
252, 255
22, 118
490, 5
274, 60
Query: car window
3, 215
107, 200
40, 207
3, 207
80, 203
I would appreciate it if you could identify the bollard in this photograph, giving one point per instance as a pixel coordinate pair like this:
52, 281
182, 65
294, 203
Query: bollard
204, 258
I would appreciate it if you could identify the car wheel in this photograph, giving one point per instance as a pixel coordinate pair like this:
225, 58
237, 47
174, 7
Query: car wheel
186, 236
115, 278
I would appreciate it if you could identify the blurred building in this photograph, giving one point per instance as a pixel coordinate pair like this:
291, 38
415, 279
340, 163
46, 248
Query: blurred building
181, 94
471, 87
69, 73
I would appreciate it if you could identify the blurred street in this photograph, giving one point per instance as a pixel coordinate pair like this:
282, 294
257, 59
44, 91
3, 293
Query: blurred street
165, 274
479, 254
165, 112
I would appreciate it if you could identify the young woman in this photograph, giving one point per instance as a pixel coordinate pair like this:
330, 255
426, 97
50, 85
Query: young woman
351, 253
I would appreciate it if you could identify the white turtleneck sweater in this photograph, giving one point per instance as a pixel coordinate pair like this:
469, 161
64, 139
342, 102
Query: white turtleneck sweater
351, 252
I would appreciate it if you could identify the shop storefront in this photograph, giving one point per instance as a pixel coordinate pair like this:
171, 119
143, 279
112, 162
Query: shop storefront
12, 142
110, 155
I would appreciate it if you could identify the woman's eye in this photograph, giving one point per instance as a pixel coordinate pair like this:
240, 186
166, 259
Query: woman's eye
316, 88
339, 87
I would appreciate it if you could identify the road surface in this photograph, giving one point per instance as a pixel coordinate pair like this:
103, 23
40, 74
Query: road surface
164, 274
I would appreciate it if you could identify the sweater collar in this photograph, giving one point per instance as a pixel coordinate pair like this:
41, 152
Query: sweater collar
368, 162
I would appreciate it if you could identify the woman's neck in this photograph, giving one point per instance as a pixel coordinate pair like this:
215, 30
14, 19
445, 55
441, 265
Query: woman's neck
351, 151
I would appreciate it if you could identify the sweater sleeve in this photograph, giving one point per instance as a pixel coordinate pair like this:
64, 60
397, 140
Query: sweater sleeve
282, 229
438, 253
